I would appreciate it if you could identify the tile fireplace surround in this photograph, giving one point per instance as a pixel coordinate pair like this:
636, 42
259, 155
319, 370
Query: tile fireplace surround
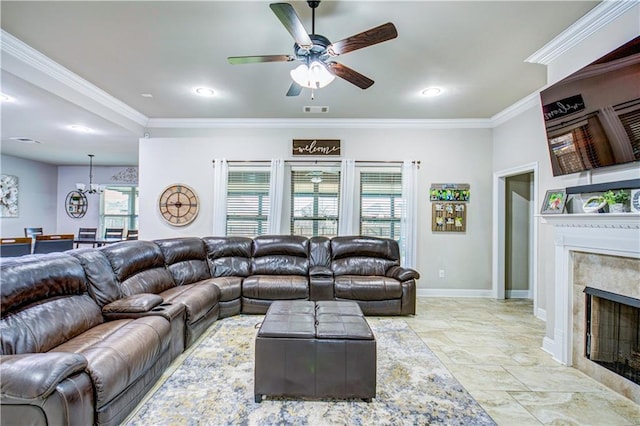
591, 250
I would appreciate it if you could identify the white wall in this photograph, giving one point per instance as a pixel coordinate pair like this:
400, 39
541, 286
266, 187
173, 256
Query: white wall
37, 199
67, 178
522, 140
446, 156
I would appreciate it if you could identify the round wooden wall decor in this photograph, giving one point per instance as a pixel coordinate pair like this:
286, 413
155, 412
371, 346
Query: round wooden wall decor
76, 204
178, 205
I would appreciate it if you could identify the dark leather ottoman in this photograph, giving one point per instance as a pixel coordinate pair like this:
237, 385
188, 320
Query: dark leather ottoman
316, 350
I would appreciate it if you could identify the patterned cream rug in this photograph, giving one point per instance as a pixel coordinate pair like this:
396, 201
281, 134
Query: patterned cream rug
212, 384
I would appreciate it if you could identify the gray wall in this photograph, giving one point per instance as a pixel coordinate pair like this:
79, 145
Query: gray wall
37, 198
446, 156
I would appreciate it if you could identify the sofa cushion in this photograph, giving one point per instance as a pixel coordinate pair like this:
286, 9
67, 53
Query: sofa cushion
230, 287
280, 255
186, 259
119, 352
139, 266
103, 284
43, 302
276, 287
356, 287
229, 256
198, 298
363, 255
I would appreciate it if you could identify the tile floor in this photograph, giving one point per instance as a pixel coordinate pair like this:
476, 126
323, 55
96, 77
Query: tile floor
493, 349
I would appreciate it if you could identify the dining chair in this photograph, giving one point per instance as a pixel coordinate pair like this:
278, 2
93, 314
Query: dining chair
114, 233
53, 243
87, 234
132, 234
13, 247
32, 232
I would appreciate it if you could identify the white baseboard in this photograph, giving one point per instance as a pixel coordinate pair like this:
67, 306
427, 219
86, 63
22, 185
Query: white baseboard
434, 292
518, 294
541, 314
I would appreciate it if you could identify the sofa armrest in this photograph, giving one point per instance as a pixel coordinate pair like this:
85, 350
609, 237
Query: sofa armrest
137, 303
320, 271
35, 376
402, 274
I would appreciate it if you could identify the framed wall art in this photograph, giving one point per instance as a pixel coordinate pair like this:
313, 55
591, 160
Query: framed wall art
448, 217
8, 196
554, 201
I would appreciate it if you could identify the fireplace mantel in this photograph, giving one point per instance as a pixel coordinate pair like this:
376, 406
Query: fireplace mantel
604, 233
594, 220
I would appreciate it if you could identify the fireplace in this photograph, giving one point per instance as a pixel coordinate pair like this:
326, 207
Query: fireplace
612, 332
600, 251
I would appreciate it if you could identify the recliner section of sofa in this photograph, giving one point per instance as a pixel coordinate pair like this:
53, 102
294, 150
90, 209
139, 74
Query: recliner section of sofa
229, 260
140, 268
62, 362
367, 270
279, 271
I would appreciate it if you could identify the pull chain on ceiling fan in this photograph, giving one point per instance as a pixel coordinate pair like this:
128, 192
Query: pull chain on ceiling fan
316, 52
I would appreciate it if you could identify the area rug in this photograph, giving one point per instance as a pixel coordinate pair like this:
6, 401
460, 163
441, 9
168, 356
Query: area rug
212, 384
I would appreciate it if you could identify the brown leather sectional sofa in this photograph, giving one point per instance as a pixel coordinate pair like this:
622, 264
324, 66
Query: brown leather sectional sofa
86, 333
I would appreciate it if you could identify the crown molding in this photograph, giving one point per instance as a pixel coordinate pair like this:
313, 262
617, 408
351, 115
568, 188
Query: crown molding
603, 14
516, 109
369, 123
32, 58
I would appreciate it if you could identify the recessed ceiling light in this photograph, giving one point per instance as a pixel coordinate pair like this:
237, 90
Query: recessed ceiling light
431, 92
5, 98
80, 128
23, 140
146, 95
204, 91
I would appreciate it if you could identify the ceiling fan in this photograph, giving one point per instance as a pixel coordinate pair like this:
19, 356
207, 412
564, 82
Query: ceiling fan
316, 52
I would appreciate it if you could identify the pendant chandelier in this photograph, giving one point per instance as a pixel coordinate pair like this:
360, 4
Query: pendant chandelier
94, 188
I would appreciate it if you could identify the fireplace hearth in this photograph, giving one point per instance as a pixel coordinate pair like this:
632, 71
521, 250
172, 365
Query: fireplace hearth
612, 332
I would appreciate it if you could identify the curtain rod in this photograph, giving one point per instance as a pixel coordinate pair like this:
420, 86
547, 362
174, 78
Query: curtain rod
324, 161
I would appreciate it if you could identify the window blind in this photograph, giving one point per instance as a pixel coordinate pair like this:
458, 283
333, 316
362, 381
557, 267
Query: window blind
631, 123
380, 204
247, 203
315, 196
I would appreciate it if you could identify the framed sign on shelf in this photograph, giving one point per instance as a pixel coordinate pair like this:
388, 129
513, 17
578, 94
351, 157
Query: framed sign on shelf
554, 201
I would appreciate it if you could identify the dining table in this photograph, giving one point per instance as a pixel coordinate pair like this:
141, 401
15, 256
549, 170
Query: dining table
98, 242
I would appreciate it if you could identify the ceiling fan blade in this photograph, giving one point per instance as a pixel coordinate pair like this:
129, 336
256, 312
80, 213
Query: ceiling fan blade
289, 18
364, 39
235, 60
294, 89
350, 75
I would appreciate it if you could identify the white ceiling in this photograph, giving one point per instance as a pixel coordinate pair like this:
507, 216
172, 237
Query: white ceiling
474, 50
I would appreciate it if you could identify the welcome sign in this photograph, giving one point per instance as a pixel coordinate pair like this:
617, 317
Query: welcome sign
563, 107
323, 147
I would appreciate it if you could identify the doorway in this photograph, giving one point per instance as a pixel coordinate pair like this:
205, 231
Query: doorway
518, 223
515, 233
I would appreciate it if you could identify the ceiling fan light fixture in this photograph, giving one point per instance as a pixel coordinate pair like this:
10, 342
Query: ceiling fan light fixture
314, 76
316, 179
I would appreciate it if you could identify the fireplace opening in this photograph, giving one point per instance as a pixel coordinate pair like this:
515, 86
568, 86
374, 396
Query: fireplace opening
613, 332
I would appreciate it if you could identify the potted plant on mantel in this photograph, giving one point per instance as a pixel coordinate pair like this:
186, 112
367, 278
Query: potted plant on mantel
617, 200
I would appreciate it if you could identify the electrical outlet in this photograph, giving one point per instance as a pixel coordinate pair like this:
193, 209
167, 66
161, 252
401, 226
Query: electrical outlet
441, 273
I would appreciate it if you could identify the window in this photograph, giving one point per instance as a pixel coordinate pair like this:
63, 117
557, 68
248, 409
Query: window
315, 197
380, 204
119, 207
247, 203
